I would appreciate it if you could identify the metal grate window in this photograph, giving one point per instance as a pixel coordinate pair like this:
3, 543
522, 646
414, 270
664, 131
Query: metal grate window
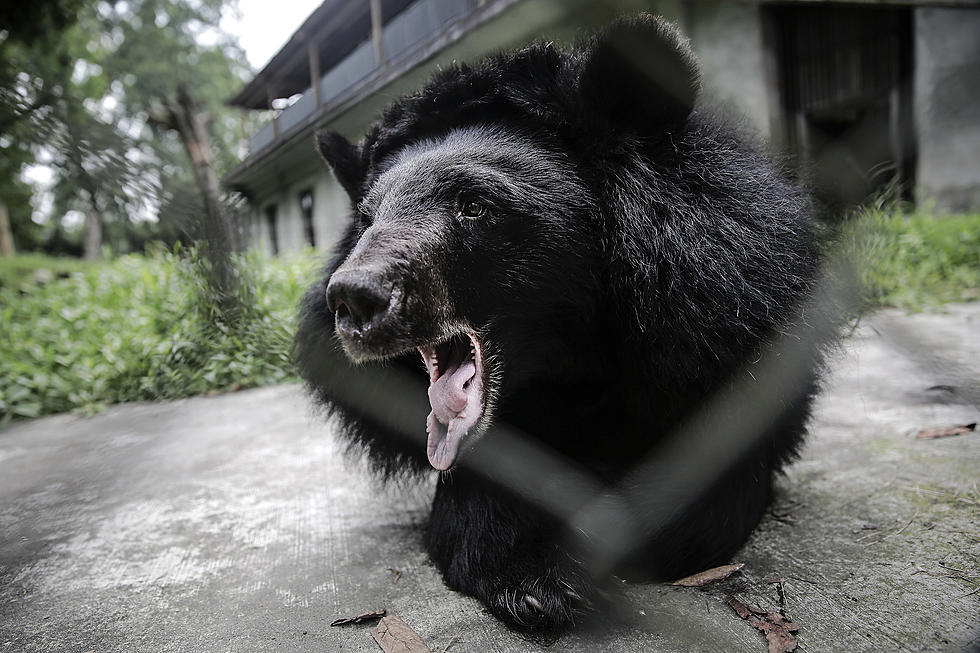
844, 74
838, 57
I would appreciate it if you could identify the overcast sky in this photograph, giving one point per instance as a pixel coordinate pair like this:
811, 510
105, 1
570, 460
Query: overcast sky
264, 26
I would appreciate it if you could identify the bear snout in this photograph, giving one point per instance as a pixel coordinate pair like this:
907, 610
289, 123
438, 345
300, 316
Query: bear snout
363, 303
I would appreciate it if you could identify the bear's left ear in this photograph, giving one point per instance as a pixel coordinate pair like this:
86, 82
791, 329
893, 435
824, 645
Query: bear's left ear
346, 161
641, 74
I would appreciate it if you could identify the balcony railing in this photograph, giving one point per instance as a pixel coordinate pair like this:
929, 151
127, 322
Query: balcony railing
405, 34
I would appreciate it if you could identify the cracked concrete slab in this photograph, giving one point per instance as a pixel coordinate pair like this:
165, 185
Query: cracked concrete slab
234, 523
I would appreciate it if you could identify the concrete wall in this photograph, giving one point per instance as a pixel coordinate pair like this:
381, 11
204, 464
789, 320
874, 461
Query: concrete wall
330, 212
947, 107
331, 209
727, 37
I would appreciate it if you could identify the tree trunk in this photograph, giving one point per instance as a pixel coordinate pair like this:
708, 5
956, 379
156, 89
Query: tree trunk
6, 235
93, 235
92, 244
218, 234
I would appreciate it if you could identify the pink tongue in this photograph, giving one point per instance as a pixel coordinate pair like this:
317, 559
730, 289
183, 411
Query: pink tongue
456, 399
447, 395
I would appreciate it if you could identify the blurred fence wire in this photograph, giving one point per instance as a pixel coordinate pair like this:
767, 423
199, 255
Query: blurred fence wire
604, 524
849, 152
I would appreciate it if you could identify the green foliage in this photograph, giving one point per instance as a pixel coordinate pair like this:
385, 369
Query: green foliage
915, 260
143, 328
24, 63
23, 270
84, 96
17, 196
149, 328
30, 21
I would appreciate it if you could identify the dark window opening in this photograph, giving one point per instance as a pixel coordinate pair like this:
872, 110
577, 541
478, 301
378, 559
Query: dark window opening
306, 209
270, 220
845, 87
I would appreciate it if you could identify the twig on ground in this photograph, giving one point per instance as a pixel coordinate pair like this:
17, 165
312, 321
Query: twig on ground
397, 574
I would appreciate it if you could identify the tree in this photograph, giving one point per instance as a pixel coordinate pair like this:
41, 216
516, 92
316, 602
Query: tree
28, 62
184, 117
89, 100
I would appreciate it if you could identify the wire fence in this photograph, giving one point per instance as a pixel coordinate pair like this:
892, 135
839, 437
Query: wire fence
602, 525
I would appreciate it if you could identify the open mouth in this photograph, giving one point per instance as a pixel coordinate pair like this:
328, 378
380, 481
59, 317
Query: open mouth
455, 368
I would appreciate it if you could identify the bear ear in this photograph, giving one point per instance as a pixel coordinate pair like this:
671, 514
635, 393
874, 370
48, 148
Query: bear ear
346, 161
641, 74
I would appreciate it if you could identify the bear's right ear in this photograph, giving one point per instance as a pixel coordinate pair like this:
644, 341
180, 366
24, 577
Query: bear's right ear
345, 159
641, 74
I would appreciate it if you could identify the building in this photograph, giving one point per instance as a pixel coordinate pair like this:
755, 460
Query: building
864, 94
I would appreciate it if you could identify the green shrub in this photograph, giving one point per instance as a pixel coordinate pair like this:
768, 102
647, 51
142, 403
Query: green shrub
148, 328
915, 260
145, 328
26, 269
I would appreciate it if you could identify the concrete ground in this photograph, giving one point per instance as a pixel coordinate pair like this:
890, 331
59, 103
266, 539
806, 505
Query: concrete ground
232, 524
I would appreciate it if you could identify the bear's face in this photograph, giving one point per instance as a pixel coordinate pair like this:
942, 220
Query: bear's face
441, 236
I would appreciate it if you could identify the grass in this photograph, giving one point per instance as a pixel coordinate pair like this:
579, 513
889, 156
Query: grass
27, 269
915, 261
142, 328
87, 335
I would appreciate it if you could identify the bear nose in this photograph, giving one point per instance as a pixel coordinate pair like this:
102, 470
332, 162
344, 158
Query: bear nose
361, 301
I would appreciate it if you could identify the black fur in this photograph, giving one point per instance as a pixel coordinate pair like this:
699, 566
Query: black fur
622, 257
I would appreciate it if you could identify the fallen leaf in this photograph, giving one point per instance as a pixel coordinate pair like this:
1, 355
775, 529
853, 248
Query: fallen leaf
777, 628
740, 608
708, 575
365, 616
779, 632
393, 635
945, 431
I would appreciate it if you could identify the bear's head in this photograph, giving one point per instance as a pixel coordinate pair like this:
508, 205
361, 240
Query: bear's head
477, 238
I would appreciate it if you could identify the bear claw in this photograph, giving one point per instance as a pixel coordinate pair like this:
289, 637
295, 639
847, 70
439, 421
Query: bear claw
533, 602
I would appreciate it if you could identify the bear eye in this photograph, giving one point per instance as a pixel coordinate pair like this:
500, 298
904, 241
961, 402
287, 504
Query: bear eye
472, 210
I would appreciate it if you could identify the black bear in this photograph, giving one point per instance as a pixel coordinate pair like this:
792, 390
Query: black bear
566, 245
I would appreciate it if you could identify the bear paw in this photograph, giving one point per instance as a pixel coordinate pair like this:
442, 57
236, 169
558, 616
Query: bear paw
544, 604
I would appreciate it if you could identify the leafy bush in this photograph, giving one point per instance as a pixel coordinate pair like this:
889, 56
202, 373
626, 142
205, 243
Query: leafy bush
915, 260
145, 328
16, 271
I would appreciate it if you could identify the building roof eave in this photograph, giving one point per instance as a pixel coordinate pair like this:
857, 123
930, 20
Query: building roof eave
383, 78
334, 28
